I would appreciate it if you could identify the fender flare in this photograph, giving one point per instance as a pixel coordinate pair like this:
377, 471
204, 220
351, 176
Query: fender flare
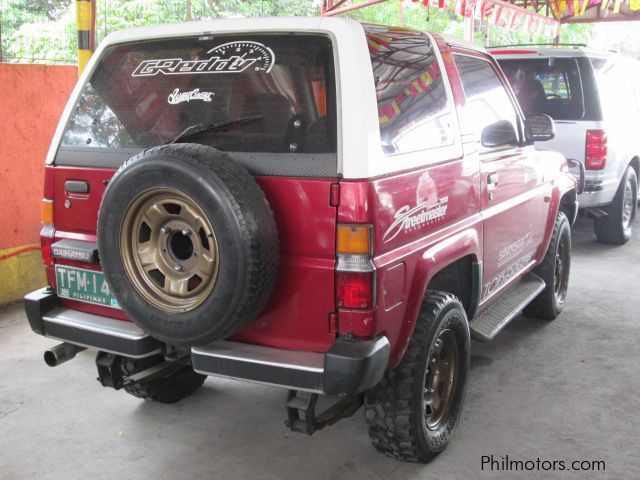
560, 190
434, 259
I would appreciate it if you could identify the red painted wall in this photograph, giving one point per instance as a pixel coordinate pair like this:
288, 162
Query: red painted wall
31, 101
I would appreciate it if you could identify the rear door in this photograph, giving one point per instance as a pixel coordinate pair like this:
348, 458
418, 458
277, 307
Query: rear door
144, 94
512, 189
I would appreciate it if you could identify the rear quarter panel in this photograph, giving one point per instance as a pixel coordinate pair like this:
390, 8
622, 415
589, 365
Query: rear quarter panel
423, 220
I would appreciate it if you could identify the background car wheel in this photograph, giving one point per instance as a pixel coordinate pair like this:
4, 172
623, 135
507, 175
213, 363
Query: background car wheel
169, 389
617, 227
554, 270
413, 412
187, 243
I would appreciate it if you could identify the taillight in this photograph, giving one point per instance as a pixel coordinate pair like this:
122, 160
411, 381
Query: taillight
47, 255
355, 272
47, 234
596, 150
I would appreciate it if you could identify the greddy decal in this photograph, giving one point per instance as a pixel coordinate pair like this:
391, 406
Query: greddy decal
232, 57
178, 97
413, 218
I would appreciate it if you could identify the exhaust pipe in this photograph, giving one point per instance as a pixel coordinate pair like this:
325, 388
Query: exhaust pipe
54, 356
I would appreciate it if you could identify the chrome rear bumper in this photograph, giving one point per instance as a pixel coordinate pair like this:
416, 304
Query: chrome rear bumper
349, 367
48, 318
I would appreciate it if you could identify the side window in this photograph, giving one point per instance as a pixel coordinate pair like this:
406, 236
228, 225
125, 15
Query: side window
552, 85
487, 99
413, 108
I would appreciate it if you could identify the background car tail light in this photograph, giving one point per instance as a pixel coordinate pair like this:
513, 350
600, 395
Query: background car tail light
596, 150
355, 272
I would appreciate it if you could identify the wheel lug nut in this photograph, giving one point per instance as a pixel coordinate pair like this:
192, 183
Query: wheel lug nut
178, 268
165, 230
186, 232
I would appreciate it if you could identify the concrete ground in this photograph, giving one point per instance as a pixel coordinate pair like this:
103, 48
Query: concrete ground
566, 390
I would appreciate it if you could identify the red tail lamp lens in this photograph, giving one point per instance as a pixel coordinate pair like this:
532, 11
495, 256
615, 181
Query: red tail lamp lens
354, 289
596, 150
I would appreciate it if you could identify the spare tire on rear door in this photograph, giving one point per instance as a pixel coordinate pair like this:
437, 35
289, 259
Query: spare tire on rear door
188, 243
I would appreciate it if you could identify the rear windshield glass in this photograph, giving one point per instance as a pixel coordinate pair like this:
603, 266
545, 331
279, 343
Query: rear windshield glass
257, 93
550, 85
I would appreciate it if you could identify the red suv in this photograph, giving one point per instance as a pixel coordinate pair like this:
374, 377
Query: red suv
313, 203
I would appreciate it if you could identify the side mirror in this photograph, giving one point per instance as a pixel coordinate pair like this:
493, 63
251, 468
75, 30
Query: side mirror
499, 134
577, 170
539, 128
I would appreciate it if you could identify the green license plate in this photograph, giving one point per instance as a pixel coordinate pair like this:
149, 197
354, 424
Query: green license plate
84, 286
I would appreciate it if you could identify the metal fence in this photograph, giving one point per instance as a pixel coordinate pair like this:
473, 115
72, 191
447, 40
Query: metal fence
44, 31
37, 31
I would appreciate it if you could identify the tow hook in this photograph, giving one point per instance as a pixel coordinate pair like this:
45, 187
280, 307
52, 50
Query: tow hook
61, 353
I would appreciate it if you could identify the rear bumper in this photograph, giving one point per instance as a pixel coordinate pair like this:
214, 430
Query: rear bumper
46, 317
599, 190
349, 367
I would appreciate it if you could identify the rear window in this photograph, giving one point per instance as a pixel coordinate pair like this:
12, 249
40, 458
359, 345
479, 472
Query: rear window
550, 85
413, 107
275, 91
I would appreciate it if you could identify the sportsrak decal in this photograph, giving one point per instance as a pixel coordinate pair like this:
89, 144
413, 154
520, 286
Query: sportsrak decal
507, 274
515, 249
177, 96
231, 57
408, 219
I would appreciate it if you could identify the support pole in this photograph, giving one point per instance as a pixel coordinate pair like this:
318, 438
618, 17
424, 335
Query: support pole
85, 11
469, 13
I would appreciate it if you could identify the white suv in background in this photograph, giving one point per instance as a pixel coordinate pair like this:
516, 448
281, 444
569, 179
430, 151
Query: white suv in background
594, 98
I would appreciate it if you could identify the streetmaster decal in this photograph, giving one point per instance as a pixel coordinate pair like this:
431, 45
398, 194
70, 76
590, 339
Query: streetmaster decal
413, 218
232, 57
177, 96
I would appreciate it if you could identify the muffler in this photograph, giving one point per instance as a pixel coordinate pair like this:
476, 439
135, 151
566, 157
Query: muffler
54, 356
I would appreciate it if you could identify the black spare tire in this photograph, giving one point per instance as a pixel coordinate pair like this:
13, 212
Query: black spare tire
188, 243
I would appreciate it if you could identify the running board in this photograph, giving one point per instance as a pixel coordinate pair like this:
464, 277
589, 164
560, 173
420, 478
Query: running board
494, 318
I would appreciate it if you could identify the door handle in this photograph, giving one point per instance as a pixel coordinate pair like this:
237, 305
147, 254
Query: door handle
76, 186
492, 180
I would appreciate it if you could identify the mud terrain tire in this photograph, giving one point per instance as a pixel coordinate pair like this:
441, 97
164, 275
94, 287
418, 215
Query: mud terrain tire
554, 270
398, 410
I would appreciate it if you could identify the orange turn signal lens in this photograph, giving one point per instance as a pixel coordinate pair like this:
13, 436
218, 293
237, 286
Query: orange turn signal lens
354, 239
47, 211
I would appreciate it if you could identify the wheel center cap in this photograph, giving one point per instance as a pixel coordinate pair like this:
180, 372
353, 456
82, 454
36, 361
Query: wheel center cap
180, 245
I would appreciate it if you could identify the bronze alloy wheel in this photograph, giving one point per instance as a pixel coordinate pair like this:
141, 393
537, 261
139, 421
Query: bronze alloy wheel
560, 278
440, 381
169, 250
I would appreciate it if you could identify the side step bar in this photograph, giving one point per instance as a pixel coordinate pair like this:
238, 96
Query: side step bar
495, 317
